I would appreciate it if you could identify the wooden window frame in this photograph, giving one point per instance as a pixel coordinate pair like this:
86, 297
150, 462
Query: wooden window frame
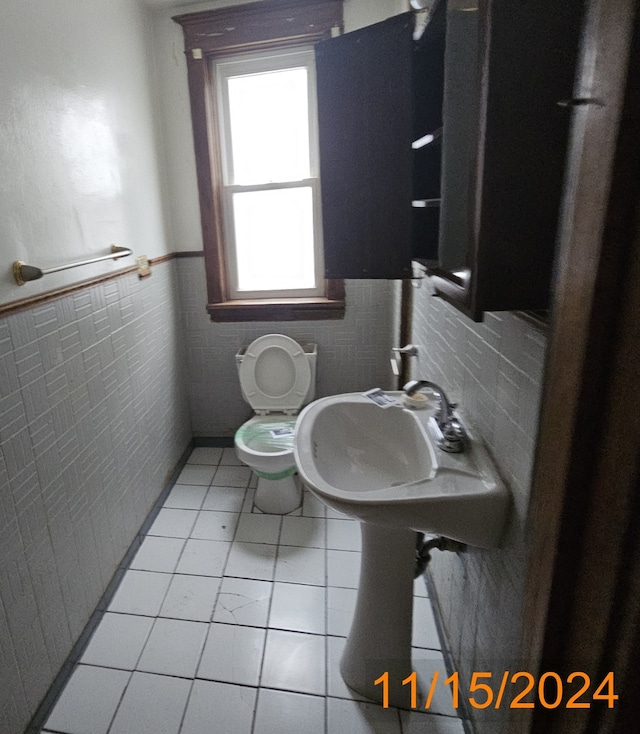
214, 34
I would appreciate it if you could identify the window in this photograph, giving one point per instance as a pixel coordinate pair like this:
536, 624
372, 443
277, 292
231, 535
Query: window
271, 219
253, 104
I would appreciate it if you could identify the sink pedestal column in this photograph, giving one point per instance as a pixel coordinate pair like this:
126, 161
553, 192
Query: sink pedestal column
380, 637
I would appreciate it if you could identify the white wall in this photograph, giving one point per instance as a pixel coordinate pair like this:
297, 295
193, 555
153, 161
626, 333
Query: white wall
78, 146
93, 412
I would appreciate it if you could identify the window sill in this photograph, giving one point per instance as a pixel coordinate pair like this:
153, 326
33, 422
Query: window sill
278, 309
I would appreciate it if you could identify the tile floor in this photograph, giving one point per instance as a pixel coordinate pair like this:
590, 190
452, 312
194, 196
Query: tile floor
230, 621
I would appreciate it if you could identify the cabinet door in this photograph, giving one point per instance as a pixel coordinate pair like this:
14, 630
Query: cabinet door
364, 87
505, 149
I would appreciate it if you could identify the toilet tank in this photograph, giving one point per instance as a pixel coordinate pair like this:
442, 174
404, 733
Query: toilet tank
311, 351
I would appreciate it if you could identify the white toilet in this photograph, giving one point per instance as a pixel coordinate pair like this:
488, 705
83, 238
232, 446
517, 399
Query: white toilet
277, 378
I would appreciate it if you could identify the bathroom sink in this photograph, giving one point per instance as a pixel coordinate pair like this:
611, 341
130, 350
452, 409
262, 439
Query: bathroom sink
383, 466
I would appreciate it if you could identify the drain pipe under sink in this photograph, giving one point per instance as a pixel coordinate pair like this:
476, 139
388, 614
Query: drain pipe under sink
424, 548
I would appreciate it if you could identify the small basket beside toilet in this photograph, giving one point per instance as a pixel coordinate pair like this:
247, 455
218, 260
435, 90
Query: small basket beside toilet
277, 379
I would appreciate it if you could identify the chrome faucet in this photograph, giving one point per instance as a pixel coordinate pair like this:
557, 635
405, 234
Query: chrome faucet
454, 437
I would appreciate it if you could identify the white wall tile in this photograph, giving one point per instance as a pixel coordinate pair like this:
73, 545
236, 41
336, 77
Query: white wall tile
353, 353
495, 370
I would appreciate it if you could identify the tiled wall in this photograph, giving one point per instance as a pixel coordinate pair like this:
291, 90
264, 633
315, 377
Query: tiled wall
494, 369
353, 353
92, 421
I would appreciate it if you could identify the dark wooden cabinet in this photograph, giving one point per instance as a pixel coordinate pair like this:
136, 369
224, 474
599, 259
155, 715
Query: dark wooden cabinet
497, 246
479, 203
370, 111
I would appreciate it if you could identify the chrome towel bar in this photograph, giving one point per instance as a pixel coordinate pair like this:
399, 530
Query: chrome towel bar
24, 273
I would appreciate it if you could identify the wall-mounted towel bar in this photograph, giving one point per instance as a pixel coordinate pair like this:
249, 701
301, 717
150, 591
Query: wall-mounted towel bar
24, 273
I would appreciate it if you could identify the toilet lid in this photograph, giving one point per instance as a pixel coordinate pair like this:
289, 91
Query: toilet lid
275, 374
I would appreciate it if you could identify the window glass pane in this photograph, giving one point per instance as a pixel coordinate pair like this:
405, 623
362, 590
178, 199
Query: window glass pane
269, 126
274, 239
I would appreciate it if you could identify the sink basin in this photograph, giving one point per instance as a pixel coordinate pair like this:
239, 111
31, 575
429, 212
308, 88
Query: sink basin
383, 466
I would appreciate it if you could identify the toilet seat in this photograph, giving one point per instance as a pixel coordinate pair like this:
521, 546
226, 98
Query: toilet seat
275, 374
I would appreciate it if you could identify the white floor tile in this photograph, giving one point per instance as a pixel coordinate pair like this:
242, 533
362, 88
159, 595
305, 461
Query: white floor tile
158, 554
173, 648
205, 455
298, 608
294, 661
312, 506
230, 458
152, 704
219, 707
196, 474
343, 568
258, 529
212, 525
251, 561
232, 654
361, 718
186, 497
424, 632
140, 592
416, 722
226, 499
300, 565
289, 713
173, 523
244, 602
203, 557
231, 476
309, 532
340, 605
247, 505
335, 684
191, 598
343, 535
89, 701
118, 641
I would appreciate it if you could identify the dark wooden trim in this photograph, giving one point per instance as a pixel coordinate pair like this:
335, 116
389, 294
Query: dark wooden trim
161, 258
189, 253
210, 35
259, 25
581, 606
293, 309
6, 309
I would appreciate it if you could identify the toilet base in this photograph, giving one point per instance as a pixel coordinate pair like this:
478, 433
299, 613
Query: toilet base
278, 496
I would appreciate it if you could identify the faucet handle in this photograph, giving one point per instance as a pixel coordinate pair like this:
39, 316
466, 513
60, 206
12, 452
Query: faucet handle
396, 360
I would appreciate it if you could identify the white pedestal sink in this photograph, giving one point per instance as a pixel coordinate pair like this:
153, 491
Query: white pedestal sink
382, 466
